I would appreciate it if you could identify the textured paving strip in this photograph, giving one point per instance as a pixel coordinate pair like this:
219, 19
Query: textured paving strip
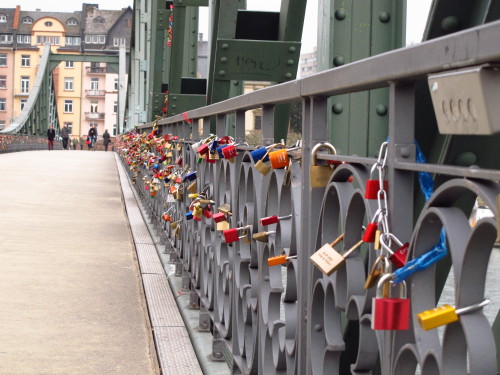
71, 299
175, 351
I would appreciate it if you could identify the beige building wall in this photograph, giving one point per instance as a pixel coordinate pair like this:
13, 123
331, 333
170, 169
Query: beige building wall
65, 74
255, 114
7, 93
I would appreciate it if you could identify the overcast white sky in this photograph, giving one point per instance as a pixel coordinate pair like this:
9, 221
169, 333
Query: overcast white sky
418, 9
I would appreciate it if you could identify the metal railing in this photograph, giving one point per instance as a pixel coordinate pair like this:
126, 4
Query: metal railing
94, 116
95, 92
295, 319
19, 142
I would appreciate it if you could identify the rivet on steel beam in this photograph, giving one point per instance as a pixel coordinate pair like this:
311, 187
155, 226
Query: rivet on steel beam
466, 159
318, 327
337, 108
193, 31
192, 45
340, 14
339, 60
223, 59
288, 75
174, 105
405, 152
192, 72
381, 109
290, 62
222, 73
225, 46
236, 83
292, 49
450, 24
384, 16
192, 58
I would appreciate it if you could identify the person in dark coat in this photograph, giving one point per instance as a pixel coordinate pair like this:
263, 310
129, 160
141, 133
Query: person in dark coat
105, 138
92, 137
51, 134
65, 136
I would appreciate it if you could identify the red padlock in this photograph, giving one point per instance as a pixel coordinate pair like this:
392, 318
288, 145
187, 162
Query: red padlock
273, 219
208, 214
203, 149
229, 152
373, 186
390, 313
232, 235
398, 257
219, 217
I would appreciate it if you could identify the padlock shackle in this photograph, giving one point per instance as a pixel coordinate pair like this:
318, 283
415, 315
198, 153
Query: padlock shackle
270, 232
391, 237
468, 309
285, 217
319, 146
353, 247
387, 278
337, 240
272, 147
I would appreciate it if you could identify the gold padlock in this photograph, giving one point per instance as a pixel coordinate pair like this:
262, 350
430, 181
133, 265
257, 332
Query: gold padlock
225, 209
328, 260
192, 188
222, 225
377, 270
319, 175
262, 236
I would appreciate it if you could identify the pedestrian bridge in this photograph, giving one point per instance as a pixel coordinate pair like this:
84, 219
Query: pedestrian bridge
83, 288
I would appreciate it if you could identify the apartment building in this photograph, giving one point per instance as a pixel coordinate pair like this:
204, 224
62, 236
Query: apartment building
86, 93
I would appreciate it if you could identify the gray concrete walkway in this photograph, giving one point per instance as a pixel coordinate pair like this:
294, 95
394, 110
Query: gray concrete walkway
71, 297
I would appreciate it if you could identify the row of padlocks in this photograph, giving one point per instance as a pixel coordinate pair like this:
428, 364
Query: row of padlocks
197, 214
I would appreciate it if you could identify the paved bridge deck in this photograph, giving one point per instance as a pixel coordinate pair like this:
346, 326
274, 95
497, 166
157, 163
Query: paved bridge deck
71, 296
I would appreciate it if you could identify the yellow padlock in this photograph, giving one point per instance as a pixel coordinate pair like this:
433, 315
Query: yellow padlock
445, 314
319, 175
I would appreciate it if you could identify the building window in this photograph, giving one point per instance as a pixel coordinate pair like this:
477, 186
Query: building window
99, 20
3, 104
25, 85
95, 39
5, 38
68, 106
3, 18
94, 107
119, 42
116, 84
2, 124
73, 40
3, 82
48, 23
68, 84
3, 59
114, 130
24, 39
257, 123
70, 127
115, 107
25, 60
72, 22
23, 103
52, 40
94, 83
69, 64
28, 20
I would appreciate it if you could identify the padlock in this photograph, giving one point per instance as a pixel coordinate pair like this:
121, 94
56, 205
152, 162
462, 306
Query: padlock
261, 166
328, 260
207, 213
189, 216
372, 186
192, 187
378, 269
262, 236
229, 152
371, 229
279, 159
273, 220
219, 217
203, 149
260, 153
222, 225
193, 195
178, 161
398, 257
280, 259
445, 314
233, 235
167, 217
189, 177
319, 175
225, 209
390, 313
175, 224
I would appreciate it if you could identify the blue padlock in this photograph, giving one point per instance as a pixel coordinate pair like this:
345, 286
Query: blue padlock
189, 216
214, 145
259, 154
189, 177
219, 150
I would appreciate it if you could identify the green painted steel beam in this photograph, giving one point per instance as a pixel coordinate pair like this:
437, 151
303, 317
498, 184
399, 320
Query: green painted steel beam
84, 58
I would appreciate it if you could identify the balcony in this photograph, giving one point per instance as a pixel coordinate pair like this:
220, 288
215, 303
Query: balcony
97, 70
95, 93
94, 116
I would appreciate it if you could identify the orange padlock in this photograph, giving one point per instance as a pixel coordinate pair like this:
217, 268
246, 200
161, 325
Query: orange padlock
279, 158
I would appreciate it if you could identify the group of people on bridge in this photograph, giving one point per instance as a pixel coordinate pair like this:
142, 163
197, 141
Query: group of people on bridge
90, 140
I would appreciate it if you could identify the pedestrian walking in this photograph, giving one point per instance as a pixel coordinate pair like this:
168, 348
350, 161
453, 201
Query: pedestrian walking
51, 134
65, 136
92, 136
75, 143
105, 138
